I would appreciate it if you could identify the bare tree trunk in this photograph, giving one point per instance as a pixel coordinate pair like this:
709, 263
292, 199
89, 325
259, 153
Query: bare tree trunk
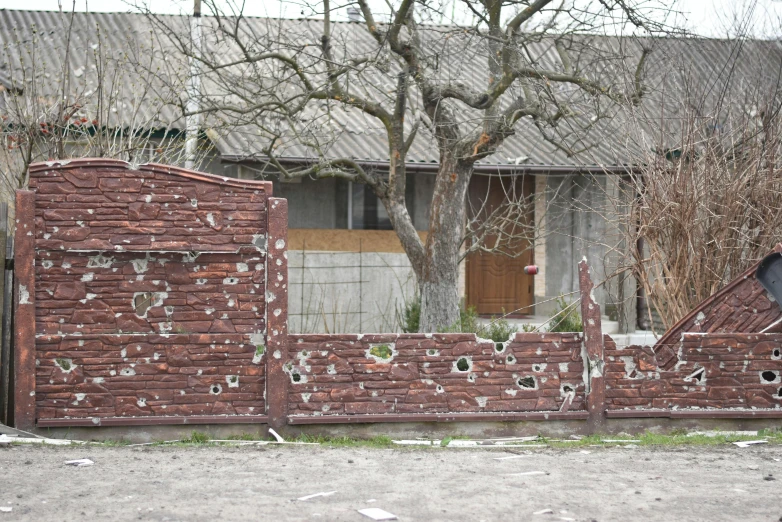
439, 280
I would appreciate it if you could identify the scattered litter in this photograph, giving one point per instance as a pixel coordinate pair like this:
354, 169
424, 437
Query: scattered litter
724, 433
276, 435
576, 437
516, 439
79, 463
625, 441
321, 494
527, 473
371, 500
259, 442
511, 457
585, 452
152, 443
6, 509
567, 519
509, 442
629, 446
417, 442
748, 443
457, 443
377, 514
544, 512
29, 440
502, 446
5, 441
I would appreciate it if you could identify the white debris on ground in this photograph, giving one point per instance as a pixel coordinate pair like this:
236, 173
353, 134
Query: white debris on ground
377, 514
315, 495
507, 442
276, 435
723, 433
79, 463
6, 440
748, 443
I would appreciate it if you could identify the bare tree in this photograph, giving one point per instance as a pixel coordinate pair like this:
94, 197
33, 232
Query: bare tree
523, 67
63, 99
705, 201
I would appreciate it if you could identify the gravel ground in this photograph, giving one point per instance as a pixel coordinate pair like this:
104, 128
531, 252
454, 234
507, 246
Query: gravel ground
261, 483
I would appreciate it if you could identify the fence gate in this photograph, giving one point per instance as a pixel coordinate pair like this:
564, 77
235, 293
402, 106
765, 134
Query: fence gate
141, 295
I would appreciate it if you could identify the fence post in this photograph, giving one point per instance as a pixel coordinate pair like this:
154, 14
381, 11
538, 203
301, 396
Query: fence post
277, 312
593, 342
24, 311
5, 352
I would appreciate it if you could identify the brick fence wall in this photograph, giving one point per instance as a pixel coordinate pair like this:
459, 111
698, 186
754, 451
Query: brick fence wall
156, 295
724, 371
148, 293
439, 373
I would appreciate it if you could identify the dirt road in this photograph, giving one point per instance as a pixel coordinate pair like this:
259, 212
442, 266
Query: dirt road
230, 483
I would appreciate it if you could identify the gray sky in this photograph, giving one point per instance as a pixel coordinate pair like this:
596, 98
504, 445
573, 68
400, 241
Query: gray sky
705, 17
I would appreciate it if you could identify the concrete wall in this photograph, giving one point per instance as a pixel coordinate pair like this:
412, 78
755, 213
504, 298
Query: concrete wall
572, 211
347, 292
441, 373
732, 370
149, 291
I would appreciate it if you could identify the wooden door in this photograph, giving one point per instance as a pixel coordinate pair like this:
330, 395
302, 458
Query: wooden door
496, 283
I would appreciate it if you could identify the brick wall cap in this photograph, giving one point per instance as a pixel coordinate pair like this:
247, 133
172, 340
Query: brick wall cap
150, 167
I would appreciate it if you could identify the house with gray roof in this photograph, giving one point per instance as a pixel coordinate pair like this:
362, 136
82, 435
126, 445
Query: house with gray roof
348, 271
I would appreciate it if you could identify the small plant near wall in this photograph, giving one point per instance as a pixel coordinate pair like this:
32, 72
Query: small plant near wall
498, 330
566, 318
408, 316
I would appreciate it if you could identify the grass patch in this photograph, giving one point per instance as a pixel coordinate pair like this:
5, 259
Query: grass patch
647, 439
197, 437
381, 441
381, 351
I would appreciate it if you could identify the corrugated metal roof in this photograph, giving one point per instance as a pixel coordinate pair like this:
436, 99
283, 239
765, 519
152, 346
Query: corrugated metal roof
675, 66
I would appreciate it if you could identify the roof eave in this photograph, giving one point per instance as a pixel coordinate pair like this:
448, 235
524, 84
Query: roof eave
479, 168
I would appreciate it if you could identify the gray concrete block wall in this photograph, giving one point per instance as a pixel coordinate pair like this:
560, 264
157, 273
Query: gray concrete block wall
575, 227
347, 292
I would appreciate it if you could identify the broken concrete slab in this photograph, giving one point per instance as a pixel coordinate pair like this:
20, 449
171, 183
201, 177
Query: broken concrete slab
377, 514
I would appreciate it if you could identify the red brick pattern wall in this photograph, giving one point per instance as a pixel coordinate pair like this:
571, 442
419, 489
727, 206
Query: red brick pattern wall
416, 373
712, 371
742, 306
149, 375
150, 291
106, 206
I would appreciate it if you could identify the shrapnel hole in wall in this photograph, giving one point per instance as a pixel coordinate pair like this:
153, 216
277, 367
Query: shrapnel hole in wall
527, 382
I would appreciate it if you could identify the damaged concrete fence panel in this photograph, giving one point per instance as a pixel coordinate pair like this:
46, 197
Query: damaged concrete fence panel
158, 295
132, 313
